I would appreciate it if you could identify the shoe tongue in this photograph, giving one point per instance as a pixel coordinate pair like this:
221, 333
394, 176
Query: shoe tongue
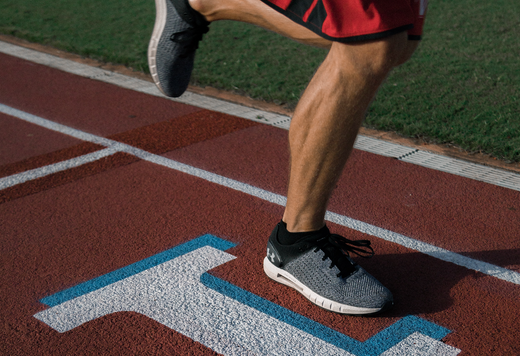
340, 259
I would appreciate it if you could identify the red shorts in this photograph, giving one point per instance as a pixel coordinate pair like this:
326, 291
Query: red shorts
355, 20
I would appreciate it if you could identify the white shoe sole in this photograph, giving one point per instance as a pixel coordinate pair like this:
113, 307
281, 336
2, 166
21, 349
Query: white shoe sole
281, 276
158, 28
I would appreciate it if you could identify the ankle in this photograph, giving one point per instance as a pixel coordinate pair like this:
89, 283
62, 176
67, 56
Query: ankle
303, 225
204, 8
287, 237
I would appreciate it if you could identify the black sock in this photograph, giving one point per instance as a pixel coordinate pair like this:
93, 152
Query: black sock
287, 238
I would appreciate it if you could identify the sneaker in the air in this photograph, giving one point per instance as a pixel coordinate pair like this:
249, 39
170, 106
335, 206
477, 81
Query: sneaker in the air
176, 35
319, 268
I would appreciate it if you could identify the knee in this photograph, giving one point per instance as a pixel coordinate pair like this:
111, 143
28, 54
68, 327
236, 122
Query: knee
372, 58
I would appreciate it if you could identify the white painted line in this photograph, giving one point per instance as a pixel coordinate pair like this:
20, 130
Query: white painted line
54, 126
26, 176
426, 248
437, 252
485, 174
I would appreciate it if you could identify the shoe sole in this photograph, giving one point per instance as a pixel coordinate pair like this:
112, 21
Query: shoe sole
283, 277
158, 28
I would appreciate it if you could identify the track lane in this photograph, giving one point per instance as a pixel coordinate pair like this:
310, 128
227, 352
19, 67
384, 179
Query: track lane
115, 146
124, 212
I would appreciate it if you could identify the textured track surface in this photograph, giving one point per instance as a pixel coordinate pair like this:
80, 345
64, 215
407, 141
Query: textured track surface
70, 227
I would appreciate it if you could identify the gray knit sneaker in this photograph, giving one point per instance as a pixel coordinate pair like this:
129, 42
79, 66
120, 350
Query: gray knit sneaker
177, 32
319, 267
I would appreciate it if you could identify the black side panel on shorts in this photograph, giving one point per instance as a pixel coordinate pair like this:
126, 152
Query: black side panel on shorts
318, 14
299, 8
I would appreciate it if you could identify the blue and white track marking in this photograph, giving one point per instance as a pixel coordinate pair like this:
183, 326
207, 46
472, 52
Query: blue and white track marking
174, 289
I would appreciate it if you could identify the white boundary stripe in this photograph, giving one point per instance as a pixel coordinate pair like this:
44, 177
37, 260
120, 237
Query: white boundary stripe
26, 176
54, 126
428, 249
458, 167
437, 252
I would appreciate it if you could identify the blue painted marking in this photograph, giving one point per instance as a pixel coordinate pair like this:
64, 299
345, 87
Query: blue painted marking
373, 346
377, 344
135, 268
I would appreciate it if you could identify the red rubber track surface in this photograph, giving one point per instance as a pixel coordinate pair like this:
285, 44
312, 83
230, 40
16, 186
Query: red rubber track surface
73, 226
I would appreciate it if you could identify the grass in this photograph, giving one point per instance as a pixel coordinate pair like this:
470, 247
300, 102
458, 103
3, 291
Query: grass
460, 88
110, 31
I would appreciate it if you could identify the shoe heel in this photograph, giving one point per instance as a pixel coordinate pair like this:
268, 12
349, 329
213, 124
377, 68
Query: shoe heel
270, 270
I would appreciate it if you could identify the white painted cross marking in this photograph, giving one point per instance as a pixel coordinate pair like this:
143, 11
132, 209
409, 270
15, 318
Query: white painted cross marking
172, 294
180, 295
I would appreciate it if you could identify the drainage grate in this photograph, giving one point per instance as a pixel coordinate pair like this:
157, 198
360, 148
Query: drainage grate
465, 169
382, 148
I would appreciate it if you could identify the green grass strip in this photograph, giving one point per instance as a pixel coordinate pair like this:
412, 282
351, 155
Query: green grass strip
460, 88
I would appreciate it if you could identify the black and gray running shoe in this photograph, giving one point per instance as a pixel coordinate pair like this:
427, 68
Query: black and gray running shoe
176, 35
320, 268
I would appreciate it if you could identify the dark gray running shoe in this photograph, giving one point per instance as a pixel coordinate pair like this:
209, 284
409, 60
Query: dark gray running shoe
319, 267
176, 35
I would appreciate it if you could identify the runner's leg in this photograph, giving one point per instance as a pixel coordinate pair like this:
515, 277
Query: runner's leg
330, 112
326, 122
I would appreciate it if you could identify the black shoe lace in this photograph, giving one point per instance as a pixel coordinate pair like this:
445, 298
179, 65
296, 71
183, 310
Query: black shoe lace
337, 249
189, 39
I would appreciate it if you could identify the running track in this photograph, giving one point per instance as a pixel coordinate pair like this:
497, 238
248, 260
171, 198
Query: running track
133, 224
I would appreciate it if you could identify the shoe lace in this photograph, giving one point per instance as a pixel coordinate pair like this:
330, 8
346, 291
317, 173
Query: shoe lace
189, 39
337, 248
